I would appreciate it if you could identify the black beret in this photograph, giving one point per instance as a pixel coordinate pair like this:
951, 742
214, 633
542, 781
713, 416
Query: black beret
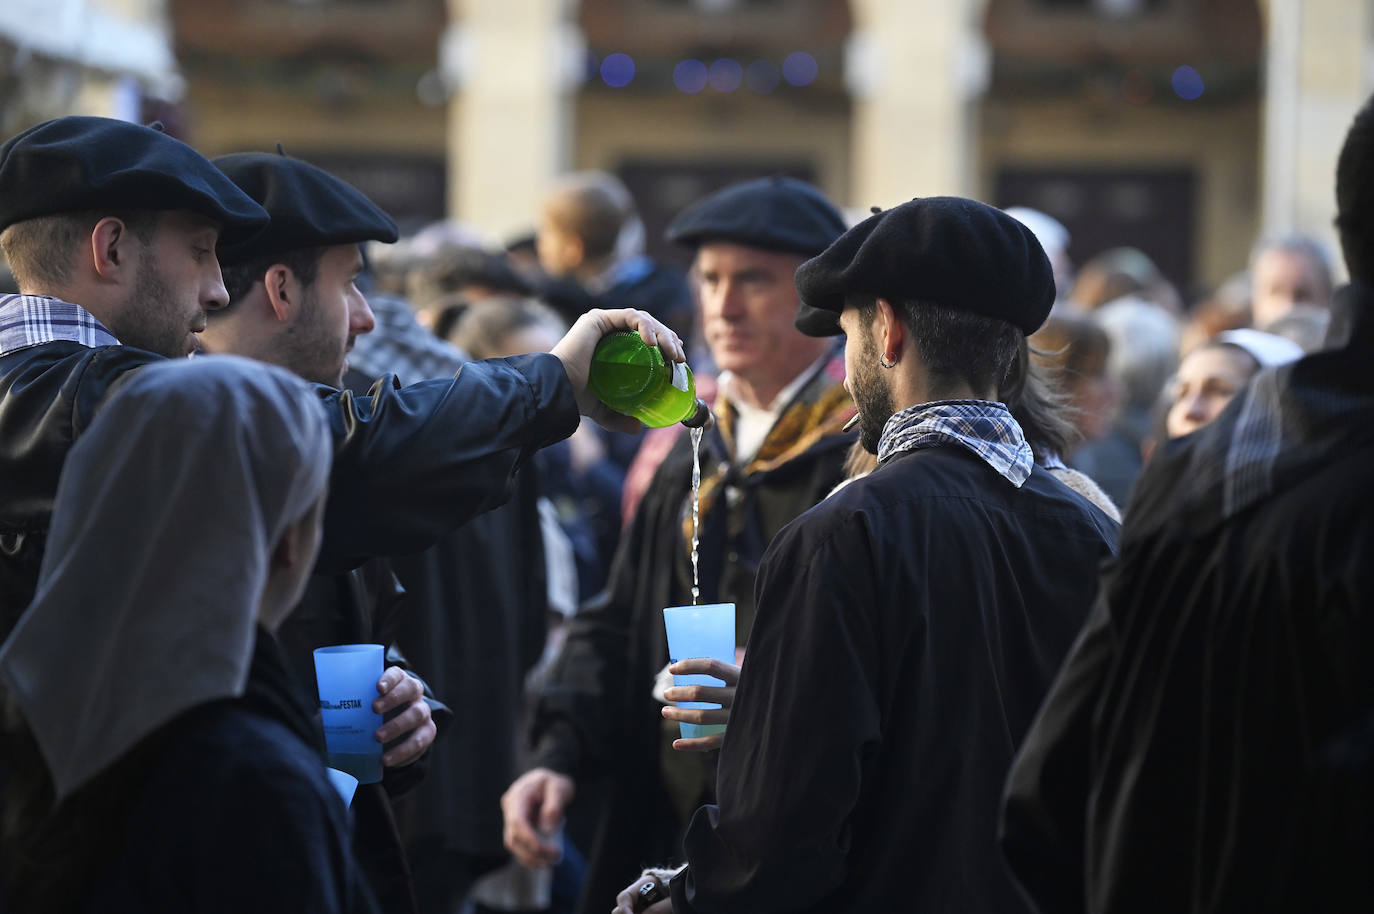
776, 214
73, 164
940, 250
309, 207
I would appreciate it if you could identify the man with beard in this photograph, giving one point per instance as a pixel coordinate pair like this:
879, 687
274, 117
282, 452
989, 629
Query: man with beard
1209, 743
909, 624
293, 302
111, 229
776, 450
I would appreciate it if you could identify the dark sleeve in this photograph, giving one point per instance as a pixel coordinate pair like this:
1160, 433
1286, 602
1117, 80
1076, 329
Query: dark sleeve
1044, 811
270, 841
582, 710
412, 463
808, 705
581, 704
400, 781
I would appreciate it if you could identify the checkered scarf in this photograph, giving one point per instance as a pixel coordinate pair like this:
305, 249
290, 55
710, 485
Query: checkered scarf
982, 426
32, 320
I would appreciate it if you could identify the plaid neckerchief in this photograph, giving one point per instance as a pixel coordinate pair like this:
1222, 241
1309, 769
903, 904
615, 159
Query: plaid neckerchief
32, 320
982, 426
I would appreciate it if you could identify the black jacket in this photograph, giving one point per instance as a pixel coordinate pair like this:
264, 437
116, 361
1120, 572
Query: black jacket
1209, 744
596, 718
907, 628
227, 808
409, 464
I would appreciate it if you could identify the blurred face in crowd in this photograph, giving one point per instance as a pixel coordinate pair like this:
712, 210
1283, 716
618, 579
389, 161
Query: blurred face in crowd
864, 378
177, 283
560, 252
1079, 348
332, 315
1282, 279
1207, 380
748, 303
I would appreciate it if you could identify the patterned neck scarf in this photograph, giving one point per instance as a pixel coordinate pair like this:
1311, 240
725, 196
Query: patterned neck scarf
982, 426
32, 320
821, 407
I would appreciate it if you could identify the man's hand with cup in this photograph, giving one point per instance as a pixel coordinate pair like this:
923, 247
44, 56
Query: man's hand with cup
409, 734
721, 695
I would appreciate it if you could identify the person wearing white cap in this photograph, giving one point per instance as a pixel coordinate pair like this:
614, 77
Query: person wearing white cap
1216, 371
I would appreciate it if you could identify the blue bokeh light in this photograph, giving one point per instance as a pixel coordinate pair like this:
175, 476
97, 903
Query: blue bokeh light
690, 76
617, 70
762, 76
800, 68
1188, 83
725, 75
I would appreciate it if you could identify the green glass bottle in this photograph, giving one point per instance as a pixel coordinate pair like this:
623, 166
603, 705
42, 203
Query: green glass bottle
633, 378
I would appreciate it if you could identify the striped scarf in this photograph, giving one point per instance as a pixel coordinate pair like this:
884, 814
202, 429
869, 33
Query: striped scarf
821, 407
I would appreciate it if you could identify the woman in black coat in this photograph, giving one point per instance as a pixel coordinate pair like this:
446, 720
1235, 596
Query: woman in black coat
164, 764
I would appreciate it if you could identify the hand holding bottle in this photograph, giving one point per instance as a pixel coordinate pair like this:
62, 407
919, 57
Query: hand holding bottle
576, 348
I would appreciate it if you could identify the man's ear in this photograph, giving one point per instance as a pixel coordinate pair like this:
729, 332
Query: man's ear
114, 250
891, 331
283, 292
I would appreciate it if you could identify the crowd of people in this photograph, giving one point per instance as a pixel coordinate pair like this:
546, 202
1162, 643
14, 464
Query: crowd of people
1051, 593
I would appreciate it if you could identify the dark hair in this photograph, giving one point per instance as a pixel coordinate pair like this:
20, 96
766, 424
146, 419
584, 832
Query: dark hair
40, 250
1040, 405
239, 278
959, 347
592, 206
1077, 346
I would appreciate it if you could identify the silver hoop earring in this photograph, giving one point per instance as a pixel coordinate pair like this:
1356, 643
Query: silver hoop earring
885, 363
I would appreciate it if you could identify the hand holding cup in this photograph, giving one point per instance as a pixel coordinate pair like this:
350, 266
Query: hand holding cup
703, 717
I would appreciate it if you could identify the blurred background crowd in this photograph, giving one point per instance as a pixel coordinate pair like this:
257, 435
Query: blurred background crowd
1173, 157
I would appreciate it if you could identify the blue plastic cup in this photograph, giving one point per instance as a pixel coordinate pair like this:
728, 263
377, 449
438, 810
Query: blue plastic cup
347, 675
700, 631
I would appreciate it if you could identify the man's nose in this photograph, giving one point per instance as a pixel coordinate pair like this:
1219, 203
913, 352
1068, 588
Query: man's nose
731, 301
214, 296
361, 318
1197, 408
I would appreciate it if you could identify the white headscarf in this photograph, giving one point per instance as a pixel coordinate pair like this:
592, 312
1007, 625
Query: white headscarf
1269, 349
166, 515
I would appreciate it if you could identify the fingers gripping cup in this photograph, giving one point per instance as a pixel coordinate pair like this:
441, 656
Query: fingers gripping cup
347, 675
700, 631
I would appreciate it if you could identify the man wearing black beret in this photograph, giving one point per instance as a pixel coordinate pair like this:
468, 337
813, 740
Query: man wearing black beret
776, 450
293, 302
909, 624
112, 230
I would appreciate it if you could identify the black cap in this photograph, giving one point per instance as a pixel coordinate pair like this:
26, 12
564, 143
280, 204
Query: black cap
73, 164
776, 214
941, 250
309, 207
